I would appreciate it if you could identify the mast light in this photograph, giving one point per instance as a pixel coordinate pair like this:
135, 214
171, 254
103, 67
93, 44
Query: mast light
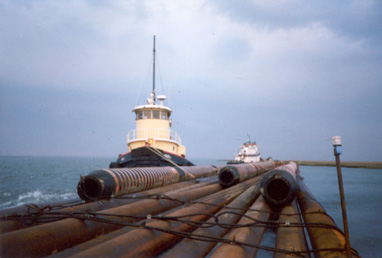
336, 140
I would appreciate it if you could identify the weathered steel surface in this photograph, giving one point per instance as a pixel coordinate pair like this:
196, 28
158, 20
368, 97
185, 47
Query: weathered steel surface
259, 211
324, 234
290, 234
48, 238
197, 248
200, 202
150, 242
100, 239
105, 183
233, 174
16, 224
31, 207
279, 187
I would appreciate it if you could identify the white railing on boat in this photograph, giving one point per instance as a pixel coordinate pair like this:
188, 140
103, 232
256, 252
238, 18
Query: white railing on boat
138, 134
159, 134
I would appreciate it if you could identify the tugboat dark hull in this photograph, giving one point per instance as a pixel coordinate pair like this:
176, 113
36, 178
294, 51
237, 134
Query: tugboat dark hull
149, 157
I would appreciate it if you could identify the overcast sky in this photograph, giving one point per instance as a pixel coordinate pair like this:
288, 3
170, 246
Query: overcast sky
291, 74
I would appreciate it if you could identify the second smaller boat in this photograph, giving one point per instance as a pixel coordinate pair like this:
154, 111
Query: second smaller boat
248, 152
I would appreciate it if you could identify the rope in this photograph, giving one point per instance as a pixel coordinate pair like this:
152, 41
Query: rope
48, 215
158, 153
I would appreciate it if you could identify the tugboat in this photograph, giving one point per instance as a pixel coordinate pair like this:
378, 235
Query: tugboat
248, 152
152, 143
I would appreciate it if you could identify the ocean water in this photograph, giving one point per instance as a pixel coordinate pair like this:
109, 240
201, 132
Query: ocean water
43, 179
46, 179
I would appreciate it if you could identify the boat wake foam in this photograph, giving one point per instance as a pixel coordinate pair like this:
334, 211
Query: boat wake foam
36, 196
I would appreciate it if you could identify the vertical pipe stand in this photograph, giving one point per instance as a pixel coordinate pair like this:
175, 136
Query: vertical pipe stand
337, 152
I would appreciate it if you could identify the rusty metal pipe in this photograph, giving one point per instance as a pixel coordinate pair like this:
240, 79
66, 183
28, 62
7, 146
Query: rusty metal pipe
70, 252
51, 237
233, 174
96, 241
320, 237
290, 236
279, 187
12, 225
252, 235
197, 248
106, 183
16, 224
38, 206
201, 171
148, 242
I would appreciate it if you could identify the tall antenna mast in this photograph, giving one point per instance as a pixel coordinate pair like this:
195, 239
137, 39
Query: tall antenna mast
154, 71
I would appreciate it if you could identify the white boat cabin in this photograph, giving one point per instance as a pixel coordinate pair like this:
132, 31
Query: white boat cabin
248, 152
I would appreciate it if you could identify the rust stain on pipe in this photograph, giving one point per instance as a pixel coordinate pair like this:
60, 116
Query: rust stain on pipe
320, 237
290, 237
49, 238
146, 242
98, 240
253, 235
32, 206
70, 252
195, 248
12, 225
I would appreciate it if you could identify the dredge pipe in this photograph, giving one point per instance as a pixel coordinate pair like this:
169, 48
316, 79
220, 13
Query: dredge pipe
259, 211
152, 239
234, 174
323, 231
11, 223
290, 235
106, 183
279, 187
55, 236
228, 215
100, 239
8, 224
30, 207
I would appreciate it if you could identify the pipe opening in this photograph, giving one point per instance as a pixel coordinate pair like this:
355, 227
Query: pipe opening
226, 177
278, 190
91, 188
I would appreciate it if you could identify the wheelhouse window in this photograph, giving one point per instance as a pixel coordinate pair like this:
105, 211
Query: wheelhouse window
139, 114
164, 115
156, 114
147, 114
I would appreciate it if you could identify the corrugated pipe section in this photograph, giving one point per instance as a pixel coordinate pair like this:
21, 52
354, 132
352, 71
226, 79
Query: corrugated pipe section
106, 183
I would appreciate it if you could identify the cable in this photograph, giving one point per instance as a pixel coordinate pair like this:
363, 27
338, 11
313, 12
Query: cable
48, 214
